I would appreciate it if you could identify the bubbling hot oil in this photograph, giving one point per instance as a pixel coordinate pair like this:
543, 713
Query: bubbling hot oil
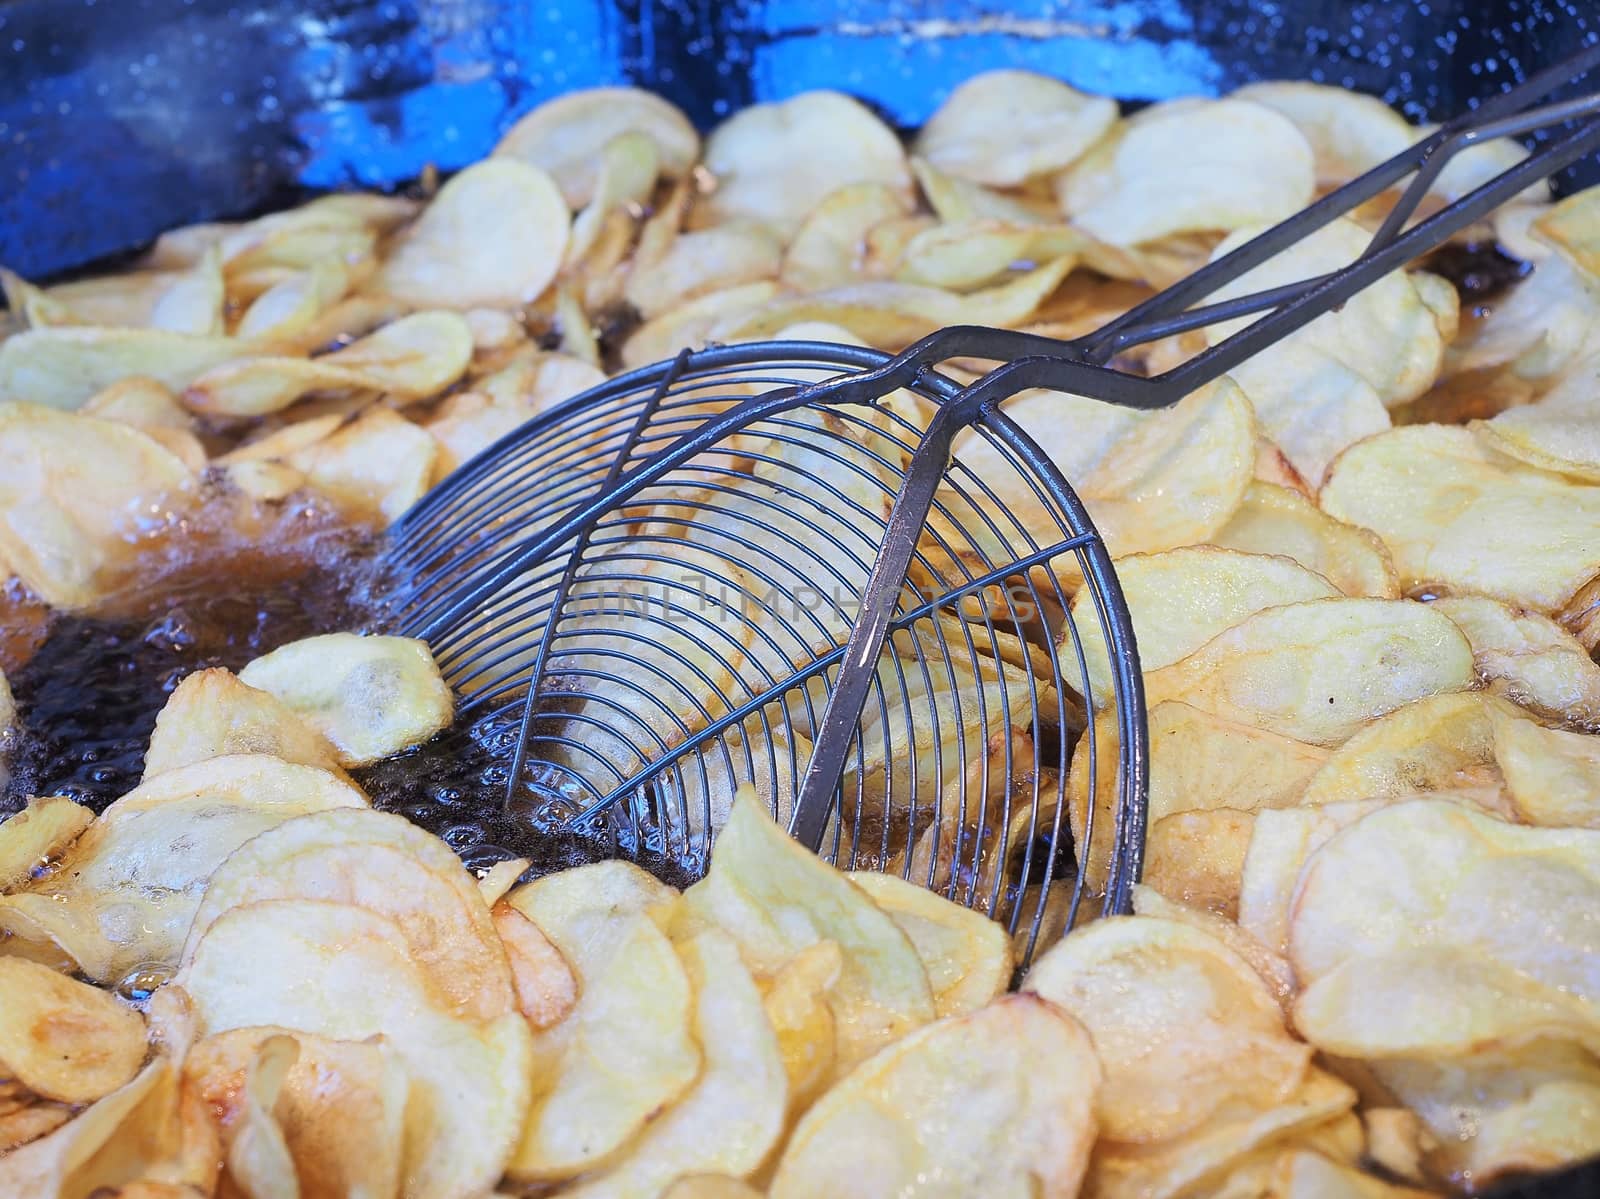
219, 590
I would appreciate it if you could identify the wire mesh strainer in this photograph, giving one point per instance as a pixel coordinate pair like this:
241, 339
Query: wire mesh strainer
762, 563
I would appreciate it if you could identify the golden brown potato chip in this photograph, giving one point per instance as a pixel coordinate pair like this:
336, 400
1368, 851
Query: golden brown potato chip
715, 259
32, 839
1180, 598
76, 494
626, 1050
1528, 658
775, 899
689, 326
1455, 516
710, 1186
1269, 964
1553, 776
967, 955
775, 162
371, 696
283, 441
62, 368
341, 1108
140, 402
1189, 166
375, 468
1183, 1026
732, 1117
1006, 127
545, 986
827, 250
211, 713
1317, 671
1349, 133
896, 1126
561, 136
265, 482
1275, 520
1197, 858
493, 237
796, 1003
340, 972
63, 1039
355, 856
125, 892
258, 1159
31, 1120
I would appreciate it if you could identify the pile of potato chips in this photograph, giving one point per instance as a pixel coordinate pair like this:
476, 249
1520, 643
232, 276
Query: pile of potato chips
1363, 960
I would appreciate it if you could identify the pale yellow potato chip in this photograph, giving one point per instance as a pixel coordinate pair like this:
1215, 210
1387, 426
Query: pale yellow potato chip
63, 1039
281, 442
1275, 520
341, 1109
32, 839
629, 164
953, 198
732, 1117
1559, 432
710, 260
796, 1003
265, 482
1349, 132
775, 899
371, 696
1311, 403
1189, 166
1476, 165
561, 135
965, 255
829, 247
1528, 658
375, 468
493, 236
63, 368
1319, 670
710, 1186
689, 326
966, 954
1456, 516
124, 894
211, 713
1551, 775
1395, 1141
343, 973
257, 1155
141, 402
545, 985
287, 309
76, 495
626, 1050
895, 1126
1302, 1174
1538, 330
1271, 965
775, 162
1183, 1026
1438, 743
1197, 858
355, 856
1181, 598
1005, 127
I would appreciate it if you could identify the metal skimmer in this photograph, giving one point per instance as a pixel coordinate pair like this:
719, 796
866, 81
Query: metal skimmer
762, 563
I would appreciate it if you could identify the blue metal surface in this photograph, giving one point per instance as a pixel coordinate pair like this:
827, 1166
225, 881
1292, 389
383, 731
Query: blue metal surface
120, 118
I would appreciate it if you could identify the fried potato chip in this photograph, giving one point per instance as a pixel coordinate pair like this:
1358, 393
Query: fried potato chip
1528, 658
76, 494
1185, 1029
545, 985
710, 1186
967, 955
30, 1121
140, 402
689, 326
970, 254
340, 1110
258, 1159
264, 482
125, 892
732, 1117
629, 164
354, 856
1180, 598
32, 839
1302, 1174
1553, 776
1275, 520
1197, 858
1438, 743
64, 1039
1318, 670
1536, 331
796, 1003
1455, 516
211, 713
375, 467
1349, 132
1046, 126
1269, 964
895, 1126
1189, 166
343, 973
493, 237
775, 162
63, 368
288, 308
1559, 432
625, 1052
371, 696
827, 249
561, 136
775, 899
715, 259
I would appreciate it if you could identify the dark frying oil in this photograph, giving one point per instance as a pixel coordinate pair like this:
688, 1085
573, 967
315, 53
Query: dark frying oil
88, 687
